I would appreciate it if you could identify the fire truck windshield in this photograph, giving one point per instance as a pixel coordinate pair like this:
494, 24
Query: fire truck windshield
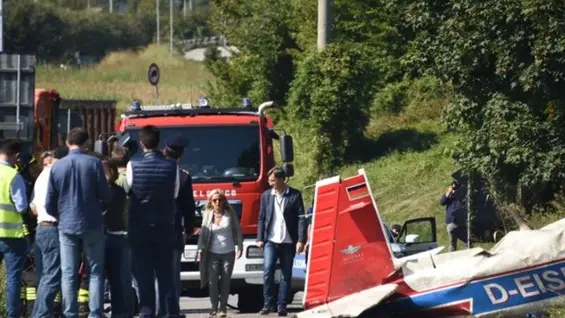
216, 153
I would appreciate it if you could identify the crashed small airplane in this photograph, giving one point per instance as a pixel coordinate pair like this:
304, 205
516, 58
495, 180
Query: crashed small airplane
352, 272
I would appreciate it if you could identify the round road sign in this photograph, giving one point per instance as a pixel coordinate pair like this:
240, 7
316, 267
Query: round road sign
153, 74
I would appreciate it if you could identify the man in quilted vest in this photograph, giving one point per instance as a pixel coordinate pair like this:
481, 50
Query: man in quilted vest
154, 186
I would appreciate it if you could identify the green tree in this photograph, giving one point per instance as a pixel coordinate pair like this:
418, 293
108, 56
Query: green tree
331, 95
262, 67
506, 60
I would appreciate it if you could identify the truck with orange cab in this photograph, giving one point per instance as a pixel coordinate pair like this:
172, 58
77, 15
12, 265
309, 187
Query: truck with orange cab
229, 149
39, 118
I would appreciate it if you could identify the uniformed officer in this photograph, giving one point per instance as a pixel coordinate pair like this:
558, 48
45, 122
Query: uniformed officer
174, 150
154, 186
13, 203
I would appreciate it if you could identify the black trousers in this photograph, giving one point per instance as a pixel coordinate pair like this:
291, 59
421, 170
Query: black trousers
150, 260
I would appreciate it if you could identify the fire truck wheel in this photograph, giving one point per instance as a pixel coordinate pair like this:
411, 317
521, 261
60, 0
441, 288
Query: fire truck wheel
250, 300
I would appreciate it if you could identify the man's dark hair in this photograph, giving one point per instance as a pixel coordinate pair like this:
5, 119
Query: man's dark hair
77, 137
150, 136
277, 172
11, 147
173, 152
121, 156
60, 152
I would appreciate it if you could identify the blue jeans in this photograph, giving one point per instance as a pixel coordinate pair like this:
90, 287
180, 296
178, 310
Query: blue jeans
92, 243
48, 270
118, 271
13, 251
285, 254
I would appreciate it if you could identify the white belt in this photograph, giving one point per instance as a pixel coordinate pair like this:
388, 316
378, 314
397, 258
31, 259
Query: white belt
117, 232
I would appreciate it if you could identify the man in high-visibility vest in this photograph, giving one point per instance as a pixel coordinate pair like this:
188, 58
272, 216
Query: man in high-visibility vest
13, 203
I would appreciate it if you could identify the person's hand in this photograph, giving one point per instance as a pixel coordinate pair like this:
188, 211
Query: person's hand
299, 247
449, 191
260, 244
238, 254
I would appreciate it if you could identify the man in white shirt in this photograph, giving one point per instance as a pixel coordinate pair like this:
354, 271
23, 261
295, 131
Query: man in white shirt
47, 257
281, 230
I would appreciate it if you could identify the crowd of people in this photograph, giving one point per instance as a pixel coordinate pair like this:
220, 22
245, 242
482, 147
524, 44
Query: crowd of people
126, 221
122, 218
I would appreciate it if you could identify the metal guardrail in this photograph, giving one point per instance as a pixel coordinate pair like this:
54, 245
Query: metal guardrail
197, 43
204, 41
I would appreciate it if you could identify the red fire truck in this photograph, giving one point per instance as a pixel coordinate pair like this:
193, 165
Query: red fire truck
229, 149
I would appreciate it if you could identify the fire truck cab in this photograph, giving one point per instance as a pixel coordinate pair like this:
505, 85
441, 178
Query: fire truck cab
229, 149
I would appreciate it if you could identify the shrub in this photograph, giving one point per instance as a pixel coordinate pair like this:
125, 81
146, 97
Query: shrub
331, 96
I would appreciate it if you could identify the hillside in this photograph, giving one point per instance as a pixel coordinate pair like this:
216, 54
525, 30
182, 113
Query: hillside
407, 158
123, 76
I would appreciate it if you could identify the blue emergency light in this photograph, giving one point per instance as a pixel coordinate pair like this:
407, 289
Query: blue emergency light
247, 102
135, 106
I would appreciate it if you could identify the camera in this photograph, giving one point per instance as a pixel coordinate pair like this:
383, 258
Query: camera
455, 185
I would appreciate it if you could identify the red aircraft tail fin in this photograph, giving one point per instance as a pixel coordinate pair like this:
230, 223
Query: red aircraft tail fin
349, 248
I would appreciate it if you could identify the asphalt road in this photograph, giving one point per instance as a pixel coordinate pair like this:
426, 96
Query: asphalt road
200, 307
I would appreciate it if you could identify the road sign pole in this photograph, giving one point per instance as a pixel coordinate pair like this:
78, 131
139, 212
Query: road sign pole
157, 93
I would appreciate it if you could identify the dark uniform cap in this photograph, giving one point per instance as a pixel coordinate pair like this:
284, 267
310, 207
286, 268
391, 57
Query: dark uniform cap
176, 141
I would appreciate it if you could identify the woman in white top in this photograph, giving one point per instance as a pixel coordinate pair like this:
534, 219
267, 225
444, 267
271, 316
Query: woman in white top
219, 244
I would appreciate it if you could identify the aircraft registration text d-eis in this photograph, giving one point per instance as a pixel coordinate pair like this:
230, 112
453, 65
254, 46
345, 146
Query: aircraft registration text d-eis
505, 291
537, 284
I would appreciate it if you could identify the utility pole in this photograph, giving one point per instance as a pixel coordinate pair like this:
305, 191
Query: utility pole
1, 27
324, 23
171, 27
111, 6
158, 27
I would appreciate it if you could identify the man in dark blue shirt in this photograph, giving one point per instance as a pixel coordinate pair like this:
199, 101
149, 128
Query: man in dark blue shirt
76, 194
455, 215
154, 186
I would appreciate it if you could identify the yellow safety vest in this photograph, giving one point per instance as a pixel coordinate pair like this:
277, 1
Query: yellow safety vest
11, 222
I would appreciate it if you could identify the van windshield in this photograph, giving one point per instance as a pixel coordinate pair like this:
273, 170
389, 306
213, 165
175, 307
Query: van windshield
216, 153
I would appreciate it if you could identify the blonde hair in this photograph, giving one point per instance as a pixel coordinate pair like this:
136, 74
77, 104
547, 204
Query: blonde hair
226, 206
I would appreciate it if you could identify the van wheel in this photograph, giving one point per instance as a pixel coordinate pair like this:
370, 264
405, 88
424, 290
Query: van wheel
250, 300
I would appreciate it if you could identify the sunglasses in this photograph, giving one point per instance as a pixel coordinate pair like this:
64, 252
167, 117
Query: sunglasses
217, 200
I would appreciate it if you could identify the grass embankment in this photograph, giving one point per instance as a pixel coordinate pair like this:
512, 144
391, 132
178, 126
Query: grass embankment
122, 76
408, 161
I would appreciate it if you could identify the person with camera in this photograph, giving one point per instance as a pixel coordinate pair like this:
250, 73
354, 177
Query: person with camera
455, 214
